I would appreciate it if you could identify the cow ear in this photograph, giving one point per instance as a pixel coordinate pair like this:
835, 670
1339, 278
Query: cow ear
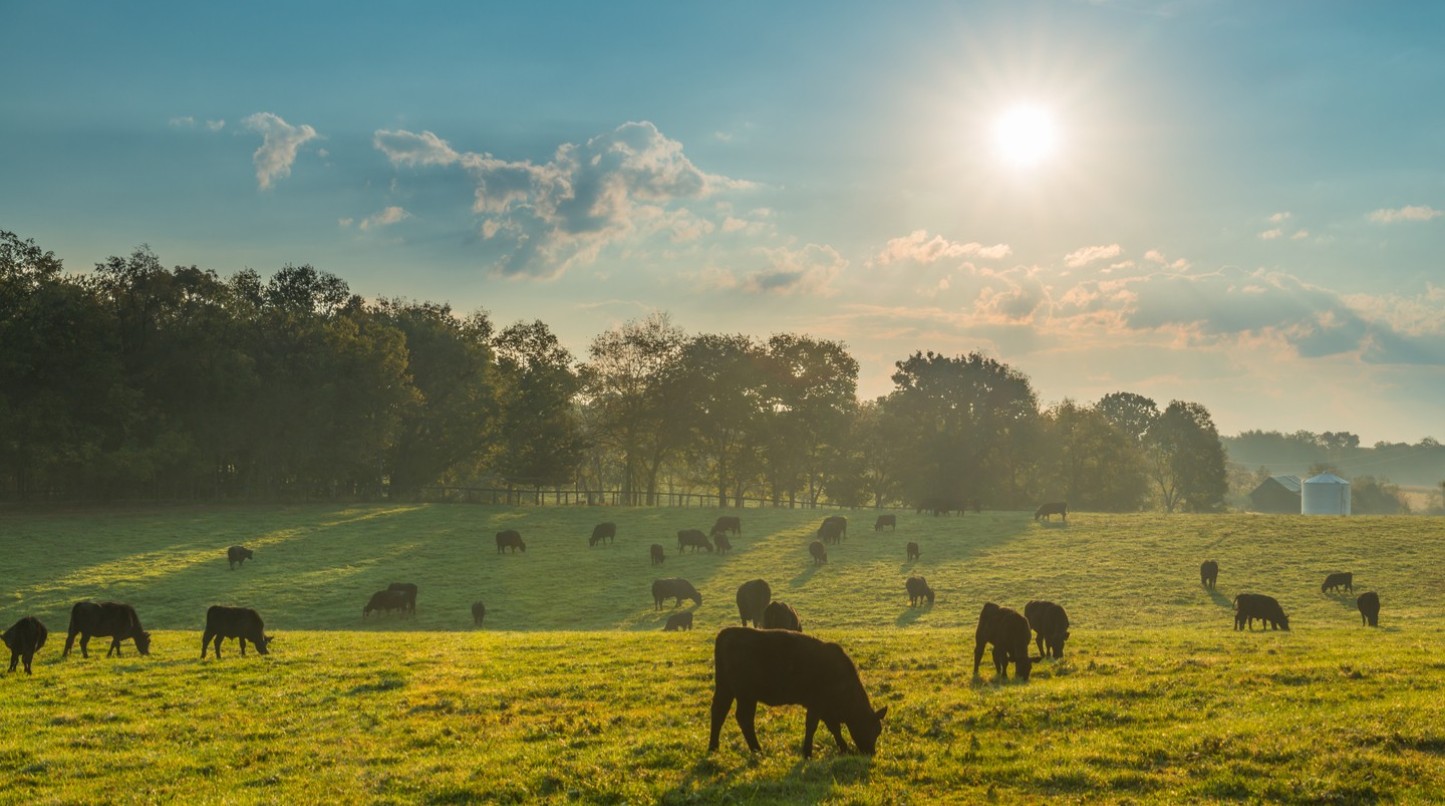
881, 712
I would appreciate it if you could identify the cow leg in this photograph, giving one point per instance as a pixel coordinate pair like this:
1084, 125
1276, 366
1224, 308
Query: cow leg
721, 703
746, 713
977, 655
14, 660
114, 647
1000, 661
205, 642
85, 645
810, 727
1039, 640
242, 642
836, 728
69, 642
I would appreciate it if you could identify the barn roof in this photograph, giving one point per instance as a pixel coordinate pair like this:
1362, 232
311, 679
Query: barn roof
1326, 478
1291, 483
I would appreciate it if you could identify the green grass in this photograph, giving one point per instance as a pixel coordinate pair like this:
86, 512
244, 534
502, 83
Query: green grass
571, 693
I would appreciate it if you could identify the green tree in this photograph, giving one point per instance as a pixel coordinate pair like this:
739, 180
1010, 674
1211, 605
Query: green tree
1089, 462
813, 387
1186, 459
541, 443
720, 382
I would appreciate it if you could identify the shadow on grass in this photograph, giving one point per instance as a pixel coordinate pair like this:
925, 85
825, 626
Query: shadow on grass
802, 579
1220, 599
911, 615
809, 781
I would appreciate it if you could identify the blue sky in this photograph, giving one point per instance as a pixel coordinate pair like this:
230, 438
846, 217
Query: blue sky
1244, 207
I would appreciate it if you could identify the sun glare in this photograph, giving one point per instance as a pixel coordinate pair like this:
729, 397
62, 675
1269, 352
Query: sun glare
1025, 136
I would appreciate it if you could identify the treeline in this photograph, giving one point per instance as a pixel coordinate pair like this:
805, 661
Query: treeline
1421, 464
137, 381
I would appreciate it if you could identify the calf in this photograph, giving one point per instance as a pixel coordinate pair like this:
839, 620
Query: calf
1334, 582
603, 532
1045, 511
1251, 606
24, 638
781, 616
1208, 573
676, 587
891, 521
241, 623
510, 539
658, 554
833, 529
1369, 605
479, 612
408, 589
913, 551
388, 600
819, 552
781, 667
753, 598
237, 556
1008, 631
1051, 627
723, 544
694, 538
918, 590
111, 620
679, 621
728, 523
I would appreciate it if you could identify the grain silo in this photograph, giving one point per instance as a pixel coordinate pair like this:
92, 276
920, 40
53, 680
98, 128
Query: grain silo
1325, 494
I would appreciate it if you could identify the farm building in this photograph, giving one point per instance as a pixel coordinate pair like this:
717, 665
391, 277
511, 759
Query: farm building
1326, 494
1277, 494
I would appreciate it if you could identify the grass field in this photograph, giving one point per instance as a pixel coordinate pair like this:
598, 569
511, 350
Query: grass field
570, 692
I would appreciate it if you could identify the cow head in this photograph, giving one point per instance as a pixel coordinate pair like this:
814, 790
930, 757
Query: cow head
865, 730
143, 642
1284, 622
263, 644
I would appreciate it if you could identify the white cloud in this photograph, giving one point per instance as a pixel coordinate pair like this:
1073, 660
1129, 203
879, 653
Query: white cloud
215, 125
183, 122
1271, 234
1089, 254
1300, 235
1280, 218
917, 247
411, 149
385, 218
1155, 256
279, 143
1407, 213
344, 222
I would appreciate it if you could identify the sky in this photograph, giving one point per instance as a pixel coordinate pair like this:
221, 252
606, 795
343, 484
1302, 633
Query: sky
1238, 204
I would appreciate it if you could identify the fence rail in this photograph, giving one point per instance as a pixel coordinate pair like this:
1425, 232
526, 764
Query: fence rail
501, 496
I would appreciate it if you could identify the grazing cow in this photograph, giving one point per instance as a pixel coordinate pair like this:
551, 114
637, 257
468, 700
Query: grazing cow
1008, 631
913, 551
679, 621
479, 612
782, 667
388, 600
238, 555
1369, 605
510, 539
819, 552
1251, 606
1051, 627
1334, 582
111, 620
241, 623
918, 590
658, 554
753, 598
409, 589
676, 587
694, 538
603, 532
728, 523
1046, 511
781, 616
24, 638
891, 521
1208, 573
833, 529
723, 544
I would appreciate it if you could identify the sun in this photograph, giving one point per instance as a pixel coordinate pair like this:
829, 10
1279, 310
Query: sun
1025, 136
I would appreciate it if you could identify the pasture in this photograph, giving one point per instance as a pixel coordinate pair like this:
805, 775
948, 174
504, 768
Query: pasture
571, 692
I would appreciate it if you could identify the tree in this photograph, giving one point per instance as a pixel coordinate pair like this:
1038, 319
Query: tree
1186, 459
1089, 462
813, 386
720, 382
1132, 414
541, 441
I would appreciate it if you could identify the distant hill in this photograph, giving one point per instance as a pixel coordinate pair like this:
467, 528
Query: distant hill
1419, 465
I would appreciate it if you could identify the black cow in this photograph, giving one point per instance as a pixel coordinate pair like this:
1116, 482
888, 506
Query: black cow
241, 623
603, 532
782, 667
694, 538
781, 616
1008, 631
510, 539
753, 598
238, 555
1045, 511
1369, 605
728, 523
1251, 606
1208, 573
111, 620
676, 587
833, 529
1334, 582
409, 589
679, 621
24, 638
388, 600
659, 555
819, 552
723, 544
891, 521
479, 612
1051, 627
913, 551
918, 590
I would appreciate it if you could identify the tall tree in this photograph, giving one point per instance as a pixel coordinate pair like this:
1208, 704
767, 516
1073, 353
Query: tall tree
1186, 459
720, 382
1091, 463
813, 387
541, 443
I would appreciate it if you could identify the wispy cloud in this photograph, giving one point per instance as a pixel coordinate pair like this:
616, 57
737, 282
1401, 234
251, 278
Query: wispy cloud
1407, 213
1090, 254
385, 218
279, 144
917, 247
